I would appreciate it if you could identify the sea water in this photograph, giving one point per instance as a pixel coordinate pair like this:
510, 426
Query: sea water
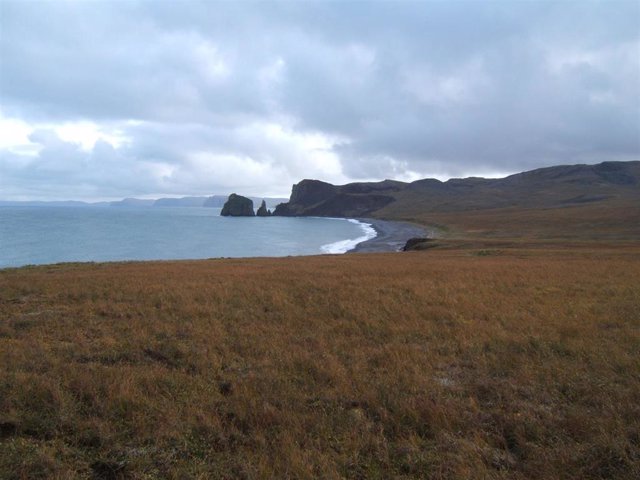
43, 235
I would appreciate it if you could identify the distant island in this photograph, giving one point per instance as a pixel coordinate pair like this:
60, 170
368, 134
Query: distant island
239, 206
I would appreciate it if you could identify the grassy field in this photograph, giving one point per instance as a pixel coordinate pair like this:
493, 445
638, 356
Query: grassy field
615, 220
450, 363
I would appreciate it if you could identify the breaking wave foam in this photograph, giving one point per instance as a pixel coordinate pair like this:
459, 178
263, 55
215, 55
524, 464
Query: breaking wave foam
344, 246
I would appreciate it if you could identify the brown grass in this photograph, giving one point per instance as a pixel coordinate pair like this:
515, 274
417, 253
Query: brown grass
440, 364
614, 220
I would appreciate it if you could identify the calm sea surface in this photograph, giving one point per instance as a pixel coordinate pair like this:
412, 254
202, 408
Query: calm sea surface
41, 235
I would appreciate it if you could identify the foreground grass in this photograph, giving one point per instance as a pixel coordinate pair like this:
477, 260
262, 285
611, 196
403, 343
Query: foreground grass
439, 364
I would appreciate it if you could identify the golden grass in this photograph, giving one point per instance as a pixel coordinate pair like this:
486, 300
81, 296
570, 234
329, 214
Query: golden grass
439, 364
612, 220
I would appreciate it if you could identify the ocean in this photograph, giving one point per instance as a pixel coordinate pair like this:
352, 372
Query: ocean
44, 235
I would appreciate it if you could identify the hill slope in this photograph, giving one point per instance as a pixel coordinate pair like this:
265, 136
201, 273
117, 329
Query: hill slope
567, 201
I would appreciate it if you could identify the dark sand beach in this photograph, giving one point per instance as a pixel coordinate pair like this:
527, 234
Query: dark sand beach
391, 236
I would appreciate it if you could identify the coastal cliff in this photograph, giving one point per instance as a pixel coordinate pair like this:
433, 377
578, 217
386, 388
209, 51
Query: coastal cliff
321, 199
546, 199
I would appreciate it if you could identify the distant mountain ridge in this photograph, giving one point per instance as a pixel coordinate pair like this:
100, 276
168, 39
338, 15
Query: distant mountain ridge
53, 203
214, 201
550, 187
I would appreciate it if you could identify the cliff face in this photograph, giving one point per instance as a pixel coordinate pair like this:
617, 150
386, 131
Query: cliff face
310, 192
238, 206
321, 199
551, 187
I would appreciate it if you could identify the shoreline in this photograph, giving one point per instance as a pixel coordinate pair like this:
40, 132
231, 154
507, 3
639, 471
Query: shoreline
391, 235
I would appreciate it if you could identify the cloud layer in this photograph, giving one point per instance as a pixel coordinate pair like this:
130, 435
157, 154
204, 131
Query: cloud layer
105, 100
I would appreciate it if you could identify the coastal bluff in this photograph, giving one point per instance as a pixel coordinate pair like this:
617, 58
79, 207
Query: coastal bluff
238, 206
554, 201
321, 199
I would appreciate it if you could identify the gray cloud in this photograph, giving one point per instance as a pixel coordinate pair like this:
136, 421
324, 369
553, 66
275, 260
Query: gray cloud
212, 97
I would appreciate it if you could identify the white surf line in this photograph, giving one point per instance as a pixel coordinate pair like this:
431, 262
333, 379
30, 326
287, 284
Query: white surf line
343, 246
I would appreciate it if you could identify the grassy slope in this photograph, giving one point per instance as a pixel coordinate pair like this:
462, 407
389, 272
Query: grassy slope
439, 364
611, 220
547, 205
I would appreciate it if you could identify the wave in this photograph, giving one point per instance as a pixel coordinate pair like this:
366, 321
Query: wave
343, 246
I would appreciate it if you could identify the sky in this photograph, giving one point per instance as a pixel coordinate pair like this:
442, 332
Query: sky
104, 100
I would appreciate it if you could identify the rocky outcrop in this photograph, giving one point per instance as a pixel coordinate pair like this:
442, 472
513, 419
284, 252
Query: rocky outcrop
218, 201
262, 211
238, 206
310, 192
418, 243
321, 199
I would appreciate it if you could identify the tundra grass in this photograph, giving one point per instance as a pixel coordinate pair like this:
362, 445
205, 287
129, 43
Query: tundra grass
442, 364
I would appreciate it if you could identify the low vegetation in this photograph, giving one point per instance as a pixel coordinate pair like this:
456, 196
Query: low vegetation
458, 362
616, 220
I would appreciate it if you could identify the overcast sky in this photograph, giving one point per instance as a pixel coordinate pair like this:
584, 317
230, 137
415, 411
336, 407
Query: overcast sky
104, 100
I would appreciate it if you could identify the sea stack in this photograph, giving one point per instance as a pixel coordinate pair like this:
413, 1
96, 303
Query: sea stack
238, 206
262, 211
